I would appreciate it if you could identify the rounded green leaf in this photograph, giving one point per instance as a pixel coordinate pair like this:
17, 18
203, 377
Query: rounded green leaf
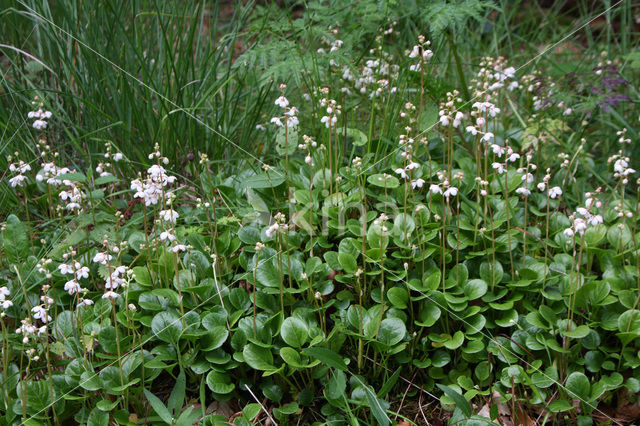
294, 332
167, 326
578, 386
219, 382
383, 181
258, 357
475, 289
392, 331
398, 296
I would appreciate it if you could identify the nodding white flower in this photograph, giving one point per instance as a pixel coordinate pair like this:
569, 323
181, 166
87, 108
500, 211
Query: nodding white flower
82, 272
458, 119
308, 160
435, 189
413, 165
329, 121
554, 192
167, 236
527, 177
568, 232
39, 124
42, 313
452, 191
113, 282
72, 287
117, 156
271, 230
6, 304
542, 186
580, 225
282, 102
102, 258
523, 191
512, 156
111, 295
260, 127
65, 269
487, 137
497, 150
17, 180
417, 183
169, 215
596, 220
415, 52
471, 129
402, 173
277, 121
499, 167
292, 121
85, 302
582, 211
567, 111
444, 120
178, 248
4, 292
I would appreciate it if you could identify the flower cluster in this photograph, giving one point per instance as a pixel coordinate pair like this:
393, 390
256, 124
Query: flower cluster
4, 302
289, 114
585, 216
422, 52
333, 110
19, 168
279, 225
39, 116
151, 189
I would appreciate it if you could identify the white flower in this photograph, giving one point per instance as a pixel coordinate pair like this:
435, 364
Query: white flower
542, 186
271, 230
282, 102
513, 157
487, 137
458, 119
6, 304
596, 220
413, 165
72, 287
65, 269
17, 181
499, 167
527, 177
444, 120
555, 192
110, 295
277, 121
452, 191
472, 130
4, 292
85, 302
417, 183
39, 124
497, 150
169, 215
82, 272
167, 236
568, 232
435, 189
402, 173
580, 225
523, 191
582, 211
415, 52
117, 156
102, 257
178, 248
41, 312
